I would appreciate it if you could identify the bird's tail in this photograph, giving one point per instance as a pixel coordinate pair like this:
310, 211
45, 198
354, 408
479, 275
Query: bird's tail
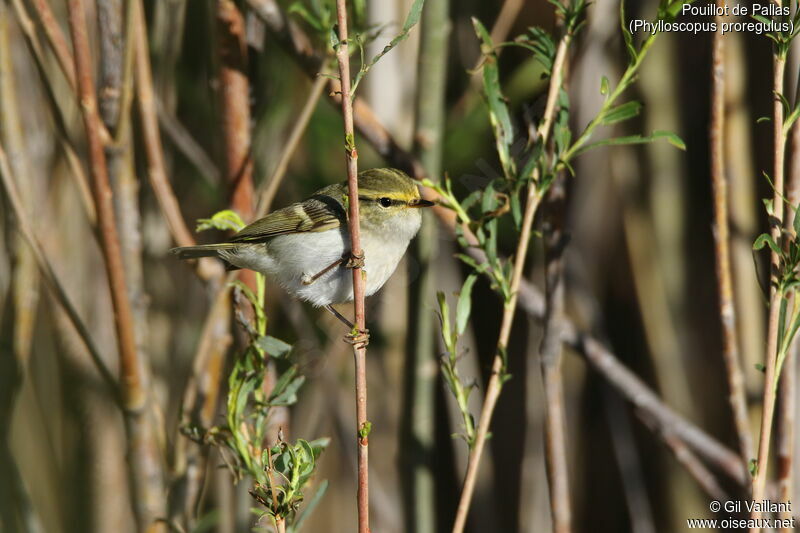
202, 250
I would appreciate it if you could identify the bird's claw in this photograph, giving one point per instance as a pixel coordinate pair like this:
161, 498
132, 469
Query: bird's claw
359, 338
355, 261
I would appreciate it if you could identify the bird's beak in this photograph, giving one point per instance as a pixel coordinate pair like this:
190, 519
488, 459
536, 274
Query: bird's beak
419, 202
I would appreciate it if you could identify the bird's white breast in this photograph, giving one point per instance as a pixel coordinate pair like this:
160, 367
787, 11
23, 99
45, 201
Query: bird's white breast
292, 259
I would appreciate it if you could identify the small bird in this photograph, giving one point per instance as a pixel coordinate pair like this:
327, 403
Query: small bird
305, 247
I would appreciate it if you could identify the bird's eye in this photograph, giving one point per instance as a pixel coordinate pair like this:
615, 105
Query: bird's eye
385, 202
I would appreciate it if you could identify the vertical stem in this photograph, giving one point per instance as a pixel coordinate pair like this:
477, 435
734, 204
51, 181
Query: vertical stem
145, 464
116, 78
551, 351
133, 388
359, 276
770, 357
57, 40
235, 106
235, 89
786, 433
417, 435
719, 184
788, 386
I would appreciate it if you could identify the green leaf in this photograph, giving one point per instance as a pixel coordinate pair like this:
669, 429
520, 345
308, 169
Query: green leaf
464, 306
627, 36
604, 86
301, 10
796, 221
365, 429
444, 316
274, 347
761, 368
766, 239
411, 20
670, 137
516, 211
488, 199
483, 34
499, 115
318, 446
620, 113
636, 139
222, 220
674, 9
289, 394
283, 382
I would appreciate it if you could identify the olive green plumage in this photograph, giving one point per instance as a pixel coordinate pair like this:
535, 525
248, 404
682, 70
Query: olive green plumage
296, 243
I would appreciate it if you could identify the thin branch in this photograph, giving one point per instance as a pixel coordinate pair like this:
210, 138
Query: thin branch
266, 192
771, 355
417, 431
498, 366
133, 389
719, 184
788, 388
359, 278
650, 407
707, 481
786, 432
145, 465
550, 361
57, 40
235, 90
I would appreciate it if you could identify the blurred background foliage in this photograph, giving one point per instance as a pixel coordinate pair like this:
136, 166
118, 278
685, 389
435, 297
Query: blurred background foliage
639, 275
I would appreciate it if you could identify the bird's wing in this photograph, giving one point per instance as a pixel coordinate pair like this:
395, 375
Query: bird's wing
318, 213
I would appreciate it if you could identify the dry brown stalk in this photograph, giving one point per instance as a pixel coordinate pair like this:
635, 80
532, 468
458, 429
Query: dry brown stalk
235, 90
57, 40
788, 386
550, 362
145, 462
786, 433
359, 279
133, 392
719, 183
707, 481
771, 355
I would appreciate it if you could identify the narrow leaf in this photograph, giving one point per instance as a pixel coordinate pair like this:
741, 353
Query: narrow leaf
464, 305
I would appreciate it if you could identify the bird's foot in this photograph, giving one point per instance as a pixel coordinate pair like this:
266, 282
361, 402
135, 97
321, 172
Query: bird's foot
354, 261
359, 338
